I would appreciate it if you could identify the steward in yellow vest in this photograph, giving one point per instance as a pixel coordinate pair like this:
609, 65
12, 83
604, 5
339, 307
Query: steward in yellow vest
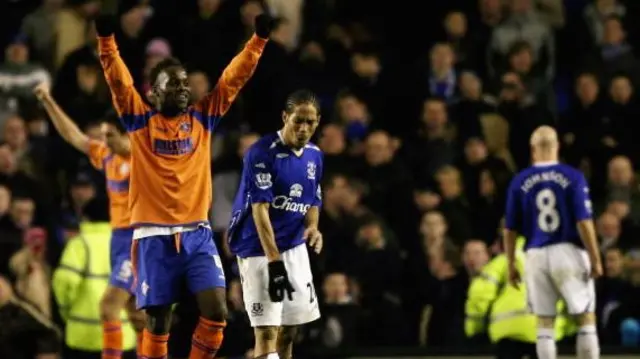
78, 285
500, 310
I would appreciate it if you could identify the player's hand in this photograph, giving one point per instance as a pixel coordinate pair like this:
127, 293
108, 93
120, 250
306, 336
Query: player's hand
105, 25
279, 284
314, 238
41, 91
514, 276
264, 24
596, 270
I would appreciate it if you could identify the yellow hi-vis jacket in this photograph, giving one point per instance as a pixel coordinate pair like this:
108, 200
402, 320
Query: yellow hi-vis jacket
78, 285
496, 307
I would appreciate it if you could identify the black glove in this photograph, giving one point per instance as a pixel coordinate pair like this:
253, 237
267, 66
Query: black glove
105, 25
264, 24
279, 282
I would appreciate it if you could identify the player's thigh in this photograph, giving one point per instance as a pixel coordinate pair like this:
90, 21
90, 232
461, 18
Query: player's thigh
202, 264
158, 270
304, 306
120, 258
570, 269
542, 296
254, 277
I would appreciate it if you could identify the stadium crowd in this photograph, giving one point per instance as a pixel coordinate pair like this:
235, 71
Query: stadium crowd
427, 114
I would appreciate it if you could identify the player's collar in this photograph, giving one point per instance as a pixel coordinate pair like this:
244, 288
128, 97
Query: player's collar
295, 152
545, 163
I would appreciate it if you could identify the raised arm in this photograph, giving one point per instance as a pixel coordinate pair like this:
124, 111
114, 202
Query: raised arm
133, 112
63, 124
235, 76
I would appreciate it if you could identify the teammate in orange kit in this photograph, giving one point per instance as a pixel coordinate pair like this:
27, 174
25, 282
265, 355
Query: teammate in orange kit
112, 157
170, 187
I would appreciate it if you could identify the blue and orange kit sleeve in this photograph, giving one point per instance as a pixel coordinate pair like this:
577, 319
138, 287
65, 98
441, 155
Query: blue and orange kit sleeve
233, 79
133, 112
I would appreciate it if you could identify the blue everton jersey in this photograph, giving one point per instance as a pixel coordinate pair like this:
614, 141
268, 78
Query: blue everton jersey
272, 173
545, 202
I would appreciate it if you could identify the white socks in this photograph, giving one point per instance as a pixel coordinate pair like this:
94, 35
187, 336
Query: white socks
546, 344
272, 356
587, 345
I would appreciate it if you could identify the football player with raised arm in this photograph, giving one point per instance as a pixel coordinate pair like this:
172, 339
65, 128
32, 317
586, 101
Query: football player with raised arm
549, 204
112, 157
170, 186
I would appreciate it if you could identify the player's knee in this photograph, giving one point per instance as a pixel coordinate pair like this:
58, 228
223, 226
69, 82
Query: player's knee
213, 304
546, 322
111, 304
586, 319
158, 319
137, 317
266, 334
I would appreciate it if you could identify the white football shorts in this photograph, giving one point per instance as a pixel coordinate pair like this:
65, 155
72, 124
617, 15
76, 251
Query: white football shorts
559, 271
255, 288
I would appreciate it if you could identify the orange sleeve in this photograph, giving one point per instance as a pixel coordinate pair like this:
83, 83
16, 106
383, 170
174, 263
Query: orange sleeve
211, 108
97, 153
133, 112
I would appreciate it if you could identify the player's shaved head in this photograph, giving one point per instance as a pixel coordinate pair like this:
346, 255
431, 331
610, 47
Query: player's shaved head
544, 137
544, 144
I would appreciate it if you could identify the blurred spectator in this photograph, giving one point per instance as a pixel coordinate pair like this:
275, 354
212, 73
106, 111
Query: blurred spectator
18, 77
614, 55
442, 79
596, 15
40, 29
432, 146
523, 114
609, 231
200, 85
523, 23
473, 103
71, 25
520, 59
25, 333
389, 182
377, 268
354, 115
339, 326
442, 322
157, 50
474, 256
457, 34
454, 205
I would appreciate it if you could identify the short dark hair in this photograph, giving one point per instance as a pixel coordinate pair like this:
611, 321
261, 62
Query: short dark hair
162, 66
300, 97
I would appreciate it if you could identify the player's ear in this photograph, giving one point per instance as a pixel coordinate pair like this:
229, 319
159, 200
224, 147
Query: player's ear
153, 96
284, 116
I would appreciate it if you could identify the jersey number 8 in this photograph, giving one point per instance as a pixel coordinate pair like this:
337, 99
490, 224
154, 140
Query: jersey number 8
548, 216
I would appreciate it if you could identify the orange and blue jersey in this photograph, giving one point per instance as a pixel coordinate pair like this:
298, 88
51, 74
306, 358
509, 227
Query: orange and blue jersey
170, 181
116, 170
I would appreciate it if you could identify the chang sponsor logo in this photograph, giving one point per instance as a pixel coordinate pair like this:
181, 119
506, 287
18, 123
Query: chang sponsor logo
288, 204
